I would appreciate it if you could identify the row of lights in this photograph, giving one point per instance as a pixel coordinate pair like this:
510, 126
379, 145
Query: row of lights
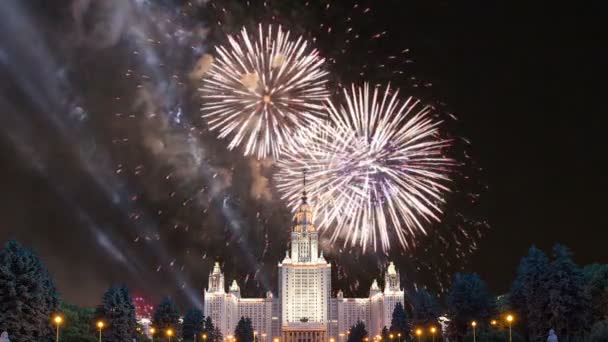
58, 320
169, 332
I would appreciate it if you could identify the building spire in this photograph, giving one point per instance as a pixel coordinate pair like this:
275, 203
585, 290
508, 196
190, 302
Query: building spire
304, 198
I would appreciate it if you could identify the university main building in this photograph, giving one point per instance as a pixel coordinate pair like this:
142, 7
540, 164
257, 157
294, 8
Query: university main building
304, 309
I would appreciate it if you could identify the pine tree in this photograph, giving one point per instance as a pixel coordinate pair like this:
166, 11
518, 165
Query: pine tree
425, 307
244, 330
399, 321
468, 299
528, 296
596, 287
166, 316
27, 295
385, 334
357, 332
118, 311
568, 306
193, 324
213, 334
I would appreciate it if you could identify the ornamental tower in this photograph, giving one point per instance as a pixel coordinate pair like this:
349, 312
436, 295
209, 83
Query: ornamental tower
304, 282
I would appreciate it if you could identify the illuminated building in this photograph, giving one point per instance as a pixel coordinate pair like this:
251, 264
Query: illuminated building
304, 309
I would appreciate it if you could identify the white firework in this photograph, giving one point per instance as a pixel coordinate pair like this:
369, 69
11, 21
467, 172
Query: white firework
260, 90
377, 171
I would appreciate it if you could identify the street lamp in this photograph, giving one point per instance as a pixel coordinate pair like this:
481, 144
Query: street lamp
419, 334
493, 322
100, 326
474, 325
169, 334
263, 337
331, 339
510, 320
433, 331
152, 331
204, 337
276, 339
57, 320
399, 335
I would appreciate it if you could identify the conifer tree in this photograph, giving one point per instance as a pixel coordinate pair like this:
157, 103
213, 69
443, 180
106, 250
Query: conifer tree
357, 332
568, 306
425, 307
194, 322
399, 321
528, 296
28, 297
118, 311
468, 299
166, 316
244, 330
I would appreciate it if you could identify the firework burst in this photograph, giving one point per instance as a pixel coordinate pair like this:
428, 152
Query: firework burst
261, 89
378, 170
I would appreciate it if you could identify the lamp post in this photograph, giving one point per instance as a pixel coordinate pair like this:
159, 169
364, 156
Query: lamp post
341, 335
474, 325
510, 320
399, 335
419, 334
493, 322
169, 334
433, 331
204, 337
263, 337
100, 326
152, 331
57, 320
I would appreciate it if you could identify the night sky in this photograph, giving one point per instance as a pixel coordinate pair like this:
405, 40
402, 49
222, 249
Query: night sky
106, 193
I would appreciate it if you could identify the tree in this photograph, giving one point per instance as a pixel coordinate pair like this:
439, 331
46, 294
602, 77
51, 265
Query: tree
118, 311
357, 332
80, 323
166, 316
425, 307
468, 299
528, 296
28, 297
568, 306
213, 334
244, 330
599, 332
596, 287
194, 322
385, 334
399, 322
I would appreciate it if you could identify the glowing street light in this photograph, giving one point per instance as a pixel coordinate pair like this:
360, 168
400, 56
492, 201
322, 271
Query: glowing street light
493, 322
100, 326
204, 337
510, 320
474, 325
419, 333
57, 320
391, 336
264, 337
331, 339
169, 334
152, 331
399, 335
276, 339
433, 331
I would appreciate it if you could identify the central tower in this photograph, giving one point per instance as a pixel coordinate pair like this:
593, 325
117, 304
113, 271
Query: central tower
304, 282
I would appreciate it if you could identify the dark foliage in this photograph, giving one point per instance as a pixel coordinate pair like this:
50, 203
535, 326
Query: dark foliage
118, 311
244, 330
358, 333
193, 325
28, 297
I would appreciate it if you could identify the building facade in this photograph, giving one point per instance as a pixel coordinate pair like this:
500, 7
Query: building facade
304, 310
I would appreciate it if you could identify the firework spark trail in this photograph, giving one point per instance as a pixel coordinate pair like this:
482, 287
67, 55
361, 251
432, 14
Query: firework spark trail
378, 170
261, 90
